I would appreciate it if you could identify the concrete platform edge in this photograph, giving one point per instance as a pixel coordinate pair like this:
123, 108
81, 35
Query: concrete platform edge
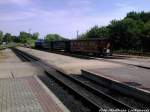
137, 93
58, 102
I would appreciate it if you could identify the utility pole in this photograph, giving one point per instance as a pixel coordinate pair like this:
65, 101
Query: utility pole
77, 34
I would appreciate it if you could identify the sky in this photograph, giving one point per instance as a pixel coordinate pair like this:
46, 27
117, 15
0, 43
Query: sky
63, 17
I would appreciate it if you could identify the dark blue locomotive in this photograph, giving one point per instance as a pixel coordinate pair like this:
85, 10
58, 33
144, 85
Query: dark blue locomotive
39, 44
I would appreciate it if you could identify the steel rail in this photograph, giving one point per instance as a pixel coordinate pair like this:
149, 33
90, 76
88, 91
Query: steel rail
94, 91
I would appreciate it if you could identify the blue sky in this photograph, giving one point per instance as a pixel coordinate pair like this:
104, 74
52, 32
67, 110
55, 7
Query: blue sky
64, 17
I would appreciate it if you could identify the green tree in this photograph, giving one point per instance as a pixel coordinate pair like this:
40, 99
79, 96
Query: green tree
28, 38
132, 32
133, 15
24, 37
35, 36
16, 39
145, 38
145, 17
8, 38
93, 32
125, 34
97, 32
104, 32
142, 16
1, 37
53, 37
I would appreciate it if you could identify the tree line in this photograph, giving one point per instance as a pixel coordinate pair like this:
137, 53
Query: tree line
53, 37
130, 33
27, 38
24, 38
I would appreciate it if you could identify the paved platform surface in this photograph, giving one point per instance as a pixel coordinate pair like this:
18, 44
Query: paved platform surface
140, 61
21, 90
135, 76
25, 95
11, 66
68, 64
129, 75
7, 56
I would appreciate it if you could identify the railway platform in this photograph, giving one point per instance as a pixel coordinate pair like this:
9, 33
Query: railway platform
140, 61
69, 65
134, 84
20, 88
27, 95
131, 76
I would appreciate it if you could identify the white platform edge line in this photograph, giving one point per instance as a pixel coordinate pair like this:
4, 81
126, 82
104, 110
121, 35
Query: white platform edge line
57, 101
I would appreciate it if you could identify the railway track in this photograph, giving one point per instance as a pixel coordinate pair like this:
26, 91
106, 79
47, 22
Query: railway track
92, 95
132, 102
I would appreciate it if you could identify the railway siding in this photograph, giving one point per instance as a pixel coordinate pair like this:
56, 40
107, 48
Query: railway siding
130, 76
117, 85
69, 82
70, 65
